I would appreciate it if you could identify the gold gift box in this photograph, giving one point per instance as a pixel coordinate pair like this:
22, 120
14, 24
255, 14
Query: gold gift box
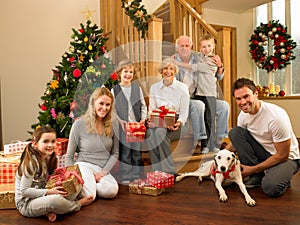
71, 184
7, 196
144, 189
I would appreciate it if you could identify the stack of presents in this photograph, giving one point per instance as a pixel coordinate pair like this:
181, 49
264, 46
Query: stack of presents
155, 182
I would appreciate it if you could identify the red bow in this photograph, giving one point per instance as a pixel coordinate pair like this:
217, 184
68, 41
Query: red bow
164, 110
62, 174
214, 171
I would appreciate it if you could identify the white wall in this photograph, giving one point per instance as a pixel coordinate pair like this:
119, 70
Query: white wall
34, 36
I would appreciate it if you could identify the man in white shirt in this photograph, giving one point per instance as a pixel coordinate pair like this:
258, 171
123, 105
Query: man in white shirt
264, 140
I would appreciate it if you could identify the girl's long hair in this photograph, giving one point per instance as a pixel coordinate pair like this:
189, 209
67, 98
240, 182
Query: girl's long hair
90, 115
27, 159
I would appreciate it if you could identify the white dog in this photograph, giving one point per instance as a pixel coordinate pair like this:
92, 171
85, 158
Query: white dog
223, 170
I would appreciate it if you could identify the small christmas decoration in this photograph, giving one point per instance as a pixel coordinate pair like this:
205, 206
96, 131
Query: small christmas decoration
281, 93
282, 44
263, 91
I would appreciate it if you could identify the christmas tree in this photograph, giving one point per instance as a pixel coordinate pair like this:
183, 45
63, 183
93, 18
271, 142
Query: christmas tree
83, 68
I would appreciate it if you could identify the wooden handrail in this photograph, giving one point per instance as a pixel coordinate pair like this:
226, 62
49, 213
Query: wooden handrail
199, 19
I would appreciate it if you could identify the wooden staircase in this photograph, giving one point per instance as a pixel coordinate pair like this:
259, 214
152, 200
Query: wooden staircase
168, 47
174, 18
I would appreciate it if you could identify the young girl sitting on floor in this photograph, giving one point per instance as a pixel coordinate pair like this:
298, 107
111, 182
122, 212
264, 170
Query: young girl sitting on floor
37, 162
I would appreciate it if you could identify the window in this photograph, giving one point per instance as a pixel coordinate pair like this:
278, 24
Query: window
286, 12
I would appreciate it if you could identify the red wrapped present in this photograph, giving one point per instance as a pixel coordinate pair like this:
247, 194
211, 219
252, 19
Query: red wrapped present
61, 146
7, 196
163, 117
160, 179
135, 132
8, 172
15, 146
68, 177
141, 187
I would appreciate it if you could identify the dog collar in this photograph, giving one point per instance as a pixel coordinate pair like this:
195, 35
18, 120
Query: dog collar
214, 171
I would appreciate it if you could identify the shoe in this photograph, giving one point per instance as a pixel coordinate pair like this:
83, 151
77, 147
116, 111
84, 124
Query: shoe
205, 150
253, 181
215, 149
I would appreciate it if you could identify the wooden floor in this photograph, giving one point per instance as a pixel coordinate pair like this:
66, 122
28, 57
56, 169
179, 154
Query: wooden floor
185, 203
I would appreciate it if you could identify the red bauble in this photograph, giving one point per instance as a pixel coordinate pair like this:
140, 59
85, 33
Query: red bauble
103, 49
43, 107
281, 93
114, 76
77, 73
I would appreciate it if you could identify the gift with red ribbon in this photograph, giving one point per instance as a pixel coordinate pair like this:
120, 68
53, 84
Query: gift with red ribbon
68, 177
141, 187
160, 179
163, 117
135, 132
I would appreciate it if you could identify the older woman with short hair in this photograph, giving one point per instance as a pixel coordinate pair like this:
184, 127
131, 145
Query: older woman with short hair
172, 94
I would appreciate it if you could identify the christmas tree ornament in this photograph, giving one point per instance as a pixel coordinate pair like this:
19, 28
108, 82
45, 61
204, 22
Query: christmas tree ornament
86, 39
88, 14
77, 73
81, 57
90, 47
72, 49
43, 107
279, 57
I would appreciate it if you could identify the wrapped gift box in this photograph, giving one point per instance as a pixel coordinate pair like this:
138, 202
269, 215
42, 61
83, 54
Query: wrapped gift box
8, 172
135, 132
68, 177
163, 117
15, 147
140, 187
61, 146
7, 196
160, 179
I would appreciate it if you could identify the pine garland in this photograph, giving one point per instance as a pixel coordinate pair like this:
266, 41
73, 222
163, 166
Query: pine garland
138, 14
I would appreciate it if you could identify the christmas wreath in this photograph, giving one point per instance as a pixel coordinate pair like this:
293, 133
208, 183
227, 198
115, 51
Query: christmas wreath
265, 57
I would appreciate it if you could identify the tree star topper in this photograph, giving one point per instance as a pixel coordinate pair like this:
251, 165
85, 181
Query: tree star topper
88, 14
